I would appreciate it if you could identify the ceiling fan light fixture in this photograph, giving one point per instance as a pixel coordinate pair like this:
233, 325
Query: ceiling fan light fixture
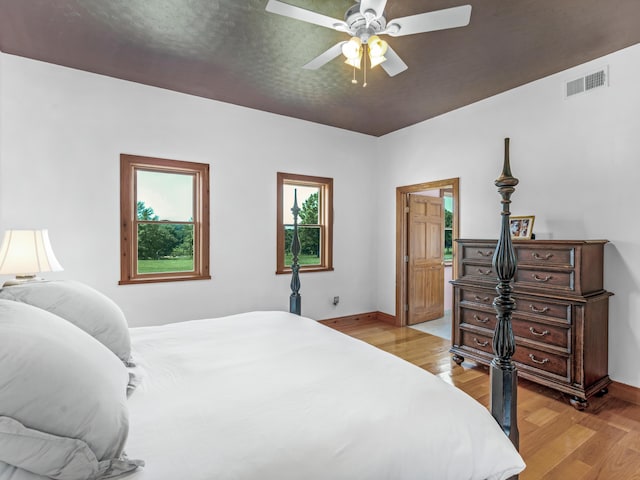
377, 46
352, 48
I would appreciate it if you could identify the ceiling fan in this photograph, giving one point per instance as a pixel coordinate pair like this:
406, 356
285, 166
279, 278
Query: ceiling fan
364, 22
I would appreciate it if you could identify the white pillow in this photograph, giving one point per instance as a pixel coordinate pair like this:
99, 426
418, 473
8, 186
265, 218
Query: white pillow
40, 453
9, 472
58, 385
83, 306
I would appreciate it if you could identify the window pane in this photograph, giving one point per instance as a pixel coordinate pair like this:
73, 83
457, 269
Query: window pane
165, 247
448, 230
448, 212
448, 244
164, 196
309, 245
307, 201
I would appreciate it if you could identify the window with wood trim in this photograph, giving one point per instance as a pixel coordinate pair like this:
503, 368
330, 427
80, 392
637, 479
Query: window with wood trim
315, 222
164, 209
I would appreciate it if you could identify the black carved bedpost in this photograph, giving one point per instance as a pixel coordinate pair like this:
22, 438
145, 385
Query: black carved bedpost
504, 376
295, 302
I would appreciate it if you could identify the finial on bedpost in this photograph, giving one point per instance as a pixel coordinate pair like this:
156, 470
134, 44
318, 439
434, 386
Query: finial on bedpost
504, 376
295, 302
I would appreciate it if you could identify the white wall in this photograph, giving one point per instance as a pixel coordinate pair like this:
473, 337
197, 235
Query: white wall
63, 131
577, 161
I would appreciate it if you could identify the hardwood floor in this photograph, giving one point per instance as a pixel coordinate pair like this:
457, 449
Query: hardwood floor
556, 441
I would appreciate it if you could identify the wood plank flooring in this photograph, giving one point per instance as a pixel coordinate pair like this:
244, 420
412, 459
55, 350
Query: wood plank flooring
556, 441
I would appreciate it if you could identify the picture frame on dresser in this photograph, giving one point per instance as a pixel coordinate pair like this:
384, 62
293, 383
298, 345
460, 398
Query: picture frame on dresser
521, 227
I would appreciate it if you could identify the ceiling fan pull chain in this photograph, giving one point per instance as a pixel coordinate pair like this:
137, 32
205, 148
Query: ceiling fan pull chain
354, 81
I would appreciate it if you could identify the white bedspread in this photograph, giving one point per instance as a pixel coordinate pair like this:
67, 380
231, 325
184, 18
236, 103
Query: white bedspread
269, 395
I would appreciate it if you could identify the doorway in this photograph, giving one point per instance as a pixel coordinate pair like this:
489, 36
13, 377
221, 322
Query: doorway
422, 238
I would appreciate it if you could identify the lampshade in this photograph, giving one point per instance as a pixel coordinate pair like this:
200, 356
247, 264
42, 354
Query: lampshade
27, 252
377, 48
352, 50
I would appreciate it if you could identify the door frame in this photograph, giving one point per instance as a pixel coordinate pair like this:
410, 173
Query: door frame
402, 291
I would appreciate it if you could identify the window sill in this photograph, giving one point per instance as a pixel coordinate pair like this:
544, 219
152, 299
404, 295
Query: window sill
135, 281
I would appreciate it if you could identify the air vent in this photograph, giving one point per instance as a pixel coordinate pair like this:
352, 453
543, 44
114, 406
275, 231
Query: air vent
575, 86
588, 82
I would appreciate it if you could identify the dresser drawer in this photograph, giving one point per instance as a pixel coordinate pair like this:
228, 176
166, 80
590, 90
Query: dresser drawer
478, 318
543, 308
552, 363
543, 333
549, 280
477, 341
478, 252
474, 296
483, 273
562, 256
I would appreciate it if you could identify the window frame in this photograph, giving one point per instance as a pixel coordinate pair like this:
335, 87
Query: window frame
325, 220
129, 165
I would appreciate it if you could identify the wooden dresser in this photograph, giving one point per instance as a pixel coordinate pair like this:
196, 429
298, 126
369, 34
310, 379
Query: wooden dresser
561, 318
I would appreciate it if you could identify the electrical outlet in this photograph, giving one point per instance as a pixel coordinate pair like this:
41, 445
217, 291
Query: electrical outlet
336, 300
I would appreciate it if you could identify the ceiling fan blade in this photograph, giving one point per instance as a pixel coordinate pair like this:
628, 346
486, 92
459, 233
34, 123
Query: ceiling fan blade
375, 5
325, 57
281, 8
430, 21
394, 64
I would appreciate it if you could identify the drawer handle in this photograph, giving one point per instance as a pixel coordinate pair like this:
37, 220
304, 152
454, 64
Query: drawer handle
479, 343
537, 256
485, 254
484, 272
544, 332
481, 320
539, 310
478, 298
540, 279
534, 360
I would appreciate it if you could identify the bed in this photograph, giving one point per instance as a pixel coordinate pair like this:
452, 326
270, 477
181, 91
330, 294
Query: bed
259, 395
294, 399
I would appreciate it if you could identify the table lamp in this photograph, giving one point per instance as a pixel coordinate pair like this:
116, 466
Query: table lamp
25, 253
